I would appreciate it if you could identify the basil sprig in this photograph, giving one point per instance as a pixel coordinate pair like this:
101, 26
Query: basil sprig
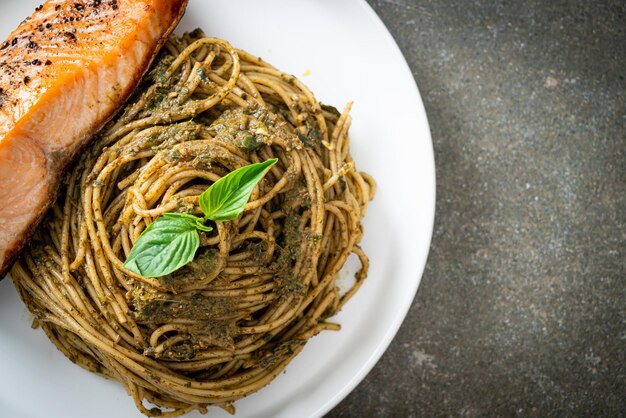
172, 240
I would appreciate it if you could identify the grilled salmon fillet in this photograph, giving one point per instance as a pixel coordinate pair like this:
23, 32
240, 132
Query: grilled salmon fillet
63, 73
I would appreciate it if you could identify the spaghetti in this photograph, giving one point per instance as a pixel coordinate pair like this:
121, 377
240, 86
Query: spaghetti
259, 287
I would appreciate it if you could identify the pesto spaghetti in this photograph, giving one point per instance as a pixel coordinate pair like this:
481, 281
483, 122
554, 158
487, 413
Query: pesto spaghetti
227, 323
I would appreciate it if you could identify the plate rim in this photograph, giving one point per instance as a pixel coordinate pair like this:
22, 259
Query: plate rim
401, 314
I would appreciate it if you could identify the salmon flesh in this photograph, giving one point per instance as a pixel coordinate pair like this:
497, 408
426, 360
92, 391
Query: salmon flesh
64, 72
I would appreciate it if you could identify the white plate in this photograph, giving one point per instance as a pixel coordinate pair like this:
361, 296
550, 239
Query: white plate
348, 55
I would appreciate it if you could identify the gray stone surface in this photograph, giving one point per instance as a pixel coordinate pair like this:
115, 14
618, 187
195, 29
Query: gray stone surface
522, 308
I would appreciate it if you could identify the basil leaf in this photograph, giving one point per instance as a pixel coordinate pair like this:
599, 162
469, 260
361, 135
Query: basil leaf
202, 227
175, 215
198, 222
227, 197
167, 244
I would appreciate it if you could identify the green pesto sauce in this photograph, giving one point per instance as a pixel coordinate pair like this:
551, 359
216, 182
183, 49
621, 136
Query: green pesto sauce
251, 128
289, 244
330, 109
280, 352
154, 307
202, 266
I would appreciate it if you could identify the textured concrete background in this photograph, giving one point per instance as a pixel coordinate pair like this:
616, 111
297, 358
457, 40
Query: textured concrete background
522, 308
